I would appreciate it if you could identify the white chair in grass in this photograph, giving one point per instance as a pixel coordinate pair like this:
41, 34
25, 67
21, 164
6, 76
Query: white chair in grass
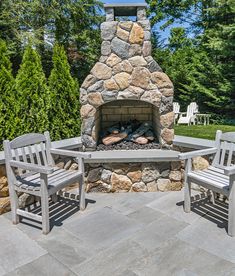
176, 109
189, 117
219, 177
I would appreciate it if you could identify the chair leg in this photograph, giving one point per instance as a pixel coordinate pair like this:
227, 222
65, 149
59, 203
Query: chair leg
14, 206
82, 194
231, 216
45, 214
187, 197
54, 198
45, 204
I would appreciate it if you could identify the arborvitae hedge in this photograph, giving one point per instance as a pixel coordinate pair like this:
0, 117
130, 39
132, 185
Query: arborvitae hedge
65, 107
7, 96
33, 94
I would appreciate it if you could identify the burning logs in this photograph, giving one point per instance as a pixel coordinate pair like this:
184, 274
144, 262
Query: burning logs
134, 131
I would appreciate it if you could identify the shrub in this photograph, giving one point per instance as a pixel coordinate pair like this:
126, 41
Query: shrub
65, 107
8, 118
33, 94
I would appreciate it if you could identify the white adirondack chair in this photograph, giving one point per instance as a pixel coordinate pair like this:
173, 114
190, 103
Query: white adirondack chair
176, 109
189, 117
36, 174
219, 177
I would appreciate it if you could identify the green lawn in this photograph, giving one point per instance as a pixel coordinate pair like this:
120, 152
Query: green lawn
206, 132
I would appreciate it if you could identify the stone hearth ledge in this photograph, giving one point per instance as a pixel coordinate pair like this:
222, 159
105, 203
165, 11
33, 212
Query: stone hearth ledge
135, 156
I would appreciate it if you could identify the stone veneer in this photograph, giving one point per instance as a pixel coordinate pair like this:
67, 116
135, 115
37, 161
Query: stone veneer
134, 177
126, 71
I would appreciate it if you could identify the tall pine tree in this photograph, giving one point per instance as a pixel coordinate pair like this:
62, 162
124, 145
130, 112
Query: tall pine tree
33, 94
65, 106
8, 104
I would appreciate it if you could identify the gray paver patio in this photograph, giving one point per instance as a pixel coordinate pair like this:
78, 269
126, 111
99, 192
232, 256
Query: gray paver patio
122, 234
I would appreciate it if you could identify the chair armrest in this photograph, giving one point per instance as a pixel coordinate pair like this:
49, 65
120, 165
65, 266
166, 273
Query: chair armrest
31, 167
71, 153
189, 155
229, 170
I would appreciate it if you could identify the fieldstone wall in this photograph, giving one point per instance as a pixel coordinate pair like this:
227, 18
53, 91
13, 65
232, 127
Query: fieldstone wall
134, 177
4, 191
126, 70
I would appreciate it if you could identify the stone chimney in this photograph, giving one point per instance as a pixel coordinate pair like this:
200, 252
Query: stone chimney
125, 72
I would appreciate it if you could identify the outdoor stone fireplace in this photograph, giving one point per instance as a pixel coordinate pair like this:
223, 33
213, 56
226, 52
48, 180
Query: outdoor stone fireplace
126, 83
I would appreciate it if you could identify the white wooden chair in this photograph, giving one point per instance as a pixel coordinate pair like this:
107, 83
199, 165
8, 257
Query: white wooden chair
176, 109
219, 177
189, 117
31, 169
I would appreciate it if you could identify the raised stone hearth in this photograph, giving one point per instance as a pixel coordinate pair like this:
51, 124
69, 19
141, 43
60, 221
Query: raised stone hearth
127, 77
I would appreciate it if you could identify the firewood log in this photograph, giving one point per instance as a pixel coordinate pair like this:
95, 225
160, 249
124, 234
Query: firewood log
114, 138
141, 130
141, 140
114, 129
149, 135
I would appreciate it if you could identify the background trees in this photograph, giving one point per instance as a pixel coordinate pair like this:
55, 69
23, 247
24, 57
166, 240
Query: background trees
198, 56
201, 65
73, 24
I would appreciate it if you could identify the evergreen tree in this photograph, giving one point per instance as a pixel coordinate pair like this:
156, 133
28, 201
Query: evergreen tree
8, 107
219, 42
33, 94
65, 107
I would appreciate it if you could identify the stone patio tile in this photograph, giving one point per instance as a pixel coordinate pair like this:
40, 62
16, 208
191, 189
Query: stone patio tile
43, 266
114, 261
145, 215
133, 201
95, 202
205, 234
156, 233
16, 249
65, 247
172, 205
175, 257
103, 228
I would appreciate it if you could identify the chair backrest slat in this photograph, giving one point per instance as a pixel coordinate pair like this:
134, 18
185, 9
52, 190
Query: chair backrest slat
50, 159
17, 158
24, 154
37, 154
224, 147
31, 155
44, 159
230, 154
225, 143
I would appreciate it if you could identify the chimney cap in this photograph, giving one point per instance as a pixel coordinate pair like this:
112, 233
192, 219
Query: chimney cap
126, 9
130, 4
